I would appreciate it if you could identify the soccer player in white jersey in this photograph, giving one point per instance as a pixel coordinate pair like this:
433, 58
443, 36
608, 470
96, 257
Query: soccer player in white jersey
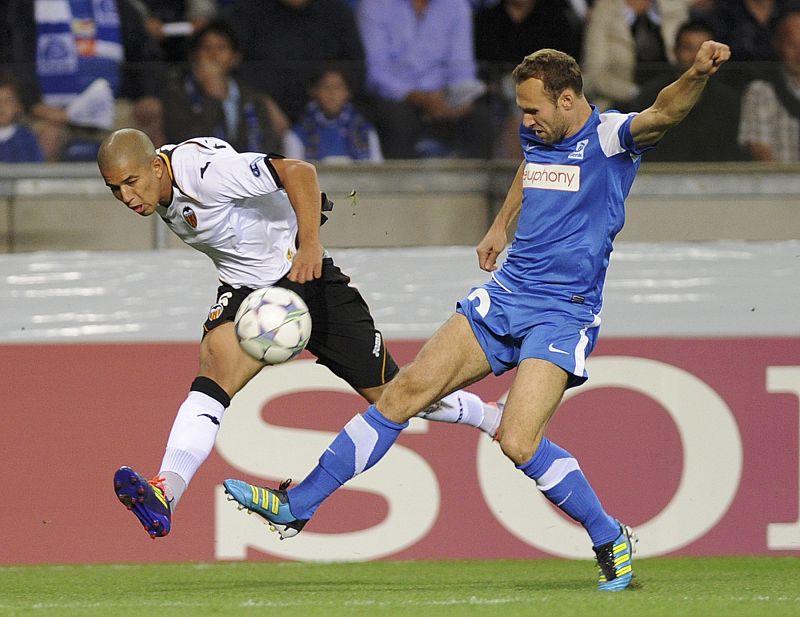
257, 217
540, 312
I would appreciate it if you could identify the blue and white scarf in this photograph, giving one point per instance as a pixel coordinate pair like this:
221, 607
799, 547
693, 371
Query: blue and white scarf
345, 135
77, 41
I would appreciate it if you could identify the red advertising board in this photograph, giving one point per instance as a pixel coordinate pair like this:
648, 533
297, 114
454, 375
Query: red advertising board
692, 441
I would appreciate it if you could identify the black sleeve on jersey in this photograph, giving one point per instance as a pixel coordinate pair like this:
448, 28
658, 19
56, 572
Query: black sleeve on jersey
273, 171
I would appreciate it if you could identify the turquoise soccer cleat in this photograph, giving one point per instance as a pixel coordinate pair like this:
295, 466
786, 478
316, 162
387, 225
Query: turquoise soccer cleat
615, 560
146, 499
270, 504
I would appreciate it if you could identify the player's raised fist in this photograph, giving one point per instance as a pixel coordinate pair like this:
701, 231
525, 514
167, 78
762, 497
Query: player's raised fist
710, 57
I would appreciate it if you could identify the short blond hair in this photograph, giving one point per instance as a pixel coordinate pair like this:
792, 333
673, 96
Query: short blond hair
555, 69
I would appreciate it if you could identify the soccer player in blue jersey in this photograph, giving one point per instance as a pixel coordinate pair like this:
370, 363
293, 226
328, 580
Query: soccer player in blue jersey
540, 312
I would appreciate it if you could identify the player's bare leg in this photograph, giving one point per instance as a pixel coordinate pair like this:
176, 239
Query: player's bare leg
223, 360
537, 390
450, 360
532, 400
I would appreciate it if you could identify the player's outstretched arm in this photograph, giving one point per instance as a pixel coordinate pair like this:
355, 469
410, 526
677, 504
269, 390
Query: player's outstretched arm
300, 180
677, 99
493, 243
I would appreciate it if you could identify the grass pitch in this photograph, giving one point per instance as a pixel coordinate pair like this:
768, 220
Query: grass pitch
730, 587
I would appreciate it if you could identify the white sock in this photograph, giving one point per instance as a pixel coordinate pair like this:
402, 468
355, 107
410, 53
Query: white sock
174, 487
462, 407
190, 442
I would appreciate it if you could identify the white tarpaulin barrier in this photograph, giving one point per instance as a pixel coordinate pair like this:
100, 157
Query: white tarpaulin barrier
663, 289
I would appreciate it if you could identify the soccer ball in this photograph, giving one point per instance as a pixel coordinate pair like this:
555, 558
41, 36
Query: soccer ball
273, 325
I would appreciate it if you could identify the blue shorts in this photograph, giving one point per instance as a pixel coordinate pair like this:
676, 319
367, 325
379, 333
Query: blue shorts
511, 326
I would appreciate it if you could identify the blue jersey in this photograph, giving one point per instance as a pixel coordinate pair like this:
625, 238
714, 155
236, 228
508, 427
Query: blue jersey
572, 208
545, 300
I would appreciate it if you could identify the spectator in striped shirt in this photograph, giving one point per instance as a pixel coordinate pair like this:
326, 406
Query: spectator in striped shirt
770, 125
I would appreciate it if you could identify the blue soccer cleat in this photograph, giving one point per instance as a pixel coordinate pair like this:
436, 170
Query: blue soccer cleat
270, 504
615, 560
146, 499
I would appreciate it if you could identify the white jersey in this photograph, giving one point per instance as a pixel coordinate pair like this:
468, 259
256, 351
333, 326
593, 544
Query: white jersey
230, 206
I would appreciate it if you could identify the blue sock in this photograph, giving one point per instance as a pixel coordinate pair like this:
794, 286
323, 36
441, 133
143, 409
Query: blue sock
362, 443
558, 476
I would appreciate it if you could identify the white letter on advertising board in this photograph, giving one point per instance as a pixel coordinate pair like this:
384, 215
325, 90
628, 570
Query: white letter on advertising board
712, 465
403, 478
784, 380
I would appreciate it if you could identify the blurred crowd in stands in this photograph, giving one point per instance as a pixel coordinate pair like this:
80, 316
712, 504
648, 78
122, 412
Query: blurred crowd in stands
369, 80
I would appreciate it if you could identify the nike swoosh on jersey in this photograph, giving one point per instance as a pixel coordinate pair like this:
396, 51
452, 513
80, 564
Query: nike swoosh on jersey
556, 349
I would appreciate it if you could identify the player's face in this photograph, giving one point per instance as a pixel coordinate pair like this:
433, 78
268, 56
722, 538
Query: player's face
540, 113
139, 187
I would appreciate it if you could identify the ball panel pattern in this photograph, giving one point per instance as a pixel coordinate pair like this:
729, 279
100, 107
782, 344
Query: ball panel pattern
273, 325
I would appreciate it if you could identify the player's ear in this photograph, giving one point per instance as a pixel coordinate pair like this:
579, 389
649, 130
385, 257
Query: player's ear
566, 99
158, 166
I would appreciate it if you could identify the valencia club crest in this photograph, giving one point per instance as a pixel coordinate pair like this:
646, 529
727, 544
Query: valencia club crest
190, 217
